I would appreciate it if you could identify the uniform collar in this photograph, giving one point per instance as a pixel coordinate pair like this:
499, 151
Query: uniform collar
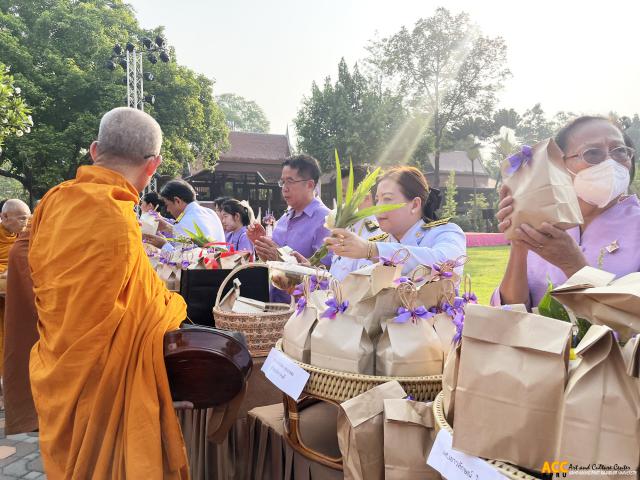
413, 235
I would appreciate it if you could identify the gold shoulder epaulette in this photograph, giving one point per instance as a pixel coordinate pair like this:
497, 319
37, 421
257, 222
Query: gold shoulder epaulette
379, 238
437, 223
371, 226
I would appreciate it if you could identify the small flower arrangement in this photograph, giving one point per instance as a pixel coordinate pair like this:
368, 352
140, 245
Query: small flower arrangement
346, 212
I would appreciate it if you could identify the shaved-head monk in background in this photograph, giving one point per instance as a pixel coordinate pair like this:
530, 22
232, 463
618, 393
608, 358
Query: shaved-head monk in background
97, 371
15, 215
20, 334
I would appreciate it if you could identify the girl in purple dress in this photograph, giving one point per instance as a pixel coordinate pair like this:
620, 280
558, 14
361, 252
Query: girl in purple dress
601, 158
236, 217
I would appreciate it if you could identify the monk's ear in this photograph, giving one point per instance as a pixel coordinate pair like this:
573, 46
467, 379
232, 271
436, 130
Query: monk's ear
152, 165
93, 151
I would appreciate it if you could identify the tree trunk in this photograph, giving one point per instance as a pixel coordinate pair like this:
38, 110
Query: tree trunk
436, 163
475, 194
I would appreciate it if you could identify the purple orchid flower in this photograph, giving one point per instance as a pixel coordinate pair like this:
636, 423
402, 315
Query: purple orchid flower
185, 264
299, 290
334, 308
301, 305
456, 312
439, 271
315, 284
519, 159
470, 297
404, 314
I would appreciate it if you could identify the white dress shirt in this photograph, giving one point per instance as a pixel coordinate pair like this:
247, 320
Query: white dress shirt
206, 219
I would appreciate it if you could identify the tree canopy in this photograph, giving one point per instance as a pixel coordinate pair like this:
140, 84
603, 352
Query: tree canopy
353, 115
242, 114
57, 51
446, 69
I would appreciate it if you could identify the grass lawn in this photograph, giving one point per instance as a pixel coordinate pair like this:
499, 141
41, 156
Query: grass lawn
486, 266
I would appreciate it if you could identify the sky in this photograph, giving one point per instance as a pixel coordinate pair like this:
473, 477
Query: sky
578, 56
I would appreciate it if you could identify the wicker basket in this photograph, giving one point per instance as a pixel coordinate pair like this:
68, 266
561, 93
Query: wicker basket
262, 330
342, 386
505, 469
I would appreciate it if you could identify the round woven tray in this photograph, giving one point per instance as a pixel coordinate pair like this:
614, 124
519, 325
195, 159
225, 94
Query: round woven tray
261, 330
342, 386
505, 469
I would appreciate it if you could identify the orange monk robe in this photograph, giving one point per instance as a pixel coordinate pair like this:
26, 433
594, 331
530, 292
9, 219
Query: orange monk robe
7, 239
97, 372
21, 333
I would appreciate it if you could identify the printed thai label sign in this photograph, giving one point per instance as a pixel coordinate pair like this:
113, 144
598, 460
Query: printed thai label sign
455, 465
284, 373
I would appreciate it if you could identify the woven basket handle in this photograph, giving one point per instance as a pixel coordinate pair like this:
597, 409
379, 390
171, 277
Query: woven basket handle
232, 274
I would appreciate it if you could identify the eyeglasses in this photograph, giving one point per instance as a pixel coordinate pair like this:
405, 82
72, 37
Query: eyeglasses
594, 156
289, 181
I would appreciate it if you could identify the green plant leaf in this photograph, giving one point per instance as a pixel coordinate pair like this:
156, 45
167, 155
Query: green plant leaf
376, 209
350, 184
338, 182
552, 308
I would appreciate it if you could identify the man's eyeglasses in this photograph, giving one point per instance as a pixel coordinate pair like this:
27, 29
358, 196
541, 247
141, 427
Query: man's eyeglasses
594, 156
290, 181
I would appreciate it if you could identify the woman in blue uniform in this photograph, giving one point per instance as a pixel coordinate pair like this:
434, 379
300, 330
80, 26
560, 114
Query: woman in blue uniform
414, 227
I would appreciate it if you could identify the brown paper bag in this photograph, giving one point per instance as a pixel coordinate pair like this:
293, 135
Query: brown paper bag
367, 281
371, 310
631, 356
603, 300
408, 437
361, 432
339, 341
296, 336
600, 422
511, 378
451, 366
411, 348
542, 189
449, 382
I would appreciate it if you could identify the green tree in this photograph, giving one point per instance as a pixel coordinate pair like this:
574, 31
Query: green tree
57, 50
353, 115
447, 69
475, 205
505, 118
450, 207
534, 126
14, 113
242, 114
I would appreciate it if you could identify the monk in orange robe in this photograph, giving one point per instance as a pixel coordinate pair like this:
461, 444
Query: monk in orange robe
20, 334
97, 371
15, 215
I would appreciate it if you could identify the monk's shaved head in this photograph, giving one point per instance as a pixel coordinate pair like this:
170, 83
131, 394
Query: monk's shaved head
15, 215
128, 134
15, 205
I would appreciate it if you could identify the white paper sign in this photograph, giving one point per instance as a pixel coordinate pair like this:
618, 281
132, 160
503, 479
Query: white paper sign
455, 465
284, 373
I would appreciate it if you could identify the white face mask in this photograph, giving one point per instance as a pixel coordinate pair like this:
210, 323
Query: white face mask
602, 183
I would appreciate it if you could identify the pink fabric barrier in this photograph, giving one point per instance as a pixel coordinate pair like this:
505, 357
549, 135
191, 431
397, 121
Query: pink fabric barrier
485, 239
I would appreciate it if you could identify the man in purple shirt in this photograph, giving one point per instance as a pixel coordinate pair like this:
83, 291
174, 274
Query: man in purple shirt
302, 225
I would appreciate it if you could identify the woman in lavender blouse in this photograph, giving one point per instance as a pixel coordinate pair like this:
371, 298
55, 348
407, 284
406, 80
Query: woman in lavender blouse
601, 159
235, 218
